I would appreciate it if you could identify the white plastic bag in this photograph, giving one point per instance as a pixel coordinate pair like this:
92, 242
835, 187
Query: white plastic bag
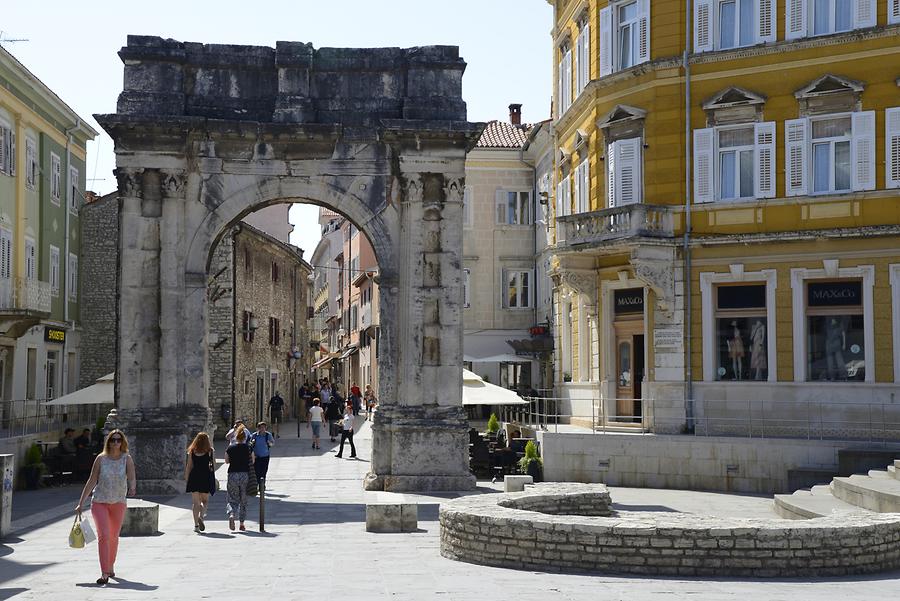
88, 531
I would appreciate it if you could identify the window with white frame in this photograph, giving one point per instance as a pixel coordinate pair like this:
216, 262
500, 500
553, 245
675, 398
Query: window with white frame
805, 18
74, 190
724, 24
583, 56
892, 145
55, 178
564, 196
830, 154
565, 78
468, 209
514, 207
734, 162
518, 288
835, 327
54, 271
893, 12
741, 332
7, 149
624, 35
582, 187
624, 172
466, 287
31, 165
30, 259
72, 277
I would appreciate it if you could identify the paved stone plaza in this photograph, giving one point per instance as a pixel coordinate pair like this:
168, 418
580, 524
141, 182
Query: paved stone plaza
316, 529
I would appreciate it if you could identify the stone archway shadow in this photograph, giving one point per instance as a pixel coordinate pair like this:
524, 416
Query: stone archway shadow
205, 134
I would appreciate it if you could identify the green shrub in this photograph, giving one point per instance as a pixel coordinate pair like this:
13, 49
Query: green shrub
493, 423
33, 455
531, 455
101, 421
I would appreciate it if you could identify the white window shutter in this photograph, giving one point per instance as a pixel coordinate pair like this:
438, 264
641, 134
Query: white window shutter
4, 136
12, 152
796, 163
559, 86
5, 253
765, 24
606, 41
795, 14
586, 185
467, 206
863, 13
892, 147
644, 31
862, 151
703, 11
559, 199
764, 155
893, 12
628, 171
704, 160
501, 203
577, 185
586, 65
611, 175
579, 62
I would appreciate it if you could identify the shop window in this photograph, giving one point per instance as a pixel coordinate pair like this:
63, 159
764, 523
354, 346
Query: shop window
741, 332
835, 329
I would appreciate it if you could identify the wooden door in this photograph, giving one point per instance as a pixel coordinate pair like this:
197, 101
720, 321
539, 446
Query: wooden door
629, 368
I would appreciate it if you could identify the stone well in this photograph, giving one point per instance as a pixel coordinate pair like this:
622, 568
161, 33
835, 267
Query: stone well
548, 528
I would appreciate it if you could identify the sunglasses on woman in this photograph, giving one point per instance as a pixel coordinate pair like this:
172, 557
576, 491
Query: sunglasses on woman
116, 440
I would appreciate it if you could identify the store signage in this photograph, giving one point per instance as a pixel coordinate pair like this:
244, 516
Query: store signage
741, 297
834, 294
57, 335
668, 338
629, 301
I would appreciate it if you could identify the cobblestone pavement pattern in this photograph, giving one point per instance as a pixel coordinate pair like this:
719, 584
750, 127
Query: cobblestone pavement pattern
316, 544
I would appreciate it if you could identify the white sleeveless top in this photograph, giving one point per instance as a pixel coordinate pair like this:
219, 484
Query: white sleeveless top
112, 484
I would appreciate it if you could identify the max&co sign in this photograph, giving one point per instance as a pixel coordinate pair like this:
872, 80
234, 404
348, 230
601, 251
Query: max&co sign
627, 301
834, 294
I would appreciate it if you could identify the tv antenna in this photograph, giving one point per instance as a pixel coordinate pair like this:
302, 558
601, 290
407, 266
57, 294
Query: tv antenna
7, 40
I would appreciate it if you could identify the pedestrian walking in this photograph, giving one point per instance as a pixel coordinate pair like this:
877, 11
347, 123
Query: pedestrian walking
238, 457
112, 478
347, 431
229, 436
276, 412
260, 443
333, 414
371, 401
356, 398
198, 465
316, 418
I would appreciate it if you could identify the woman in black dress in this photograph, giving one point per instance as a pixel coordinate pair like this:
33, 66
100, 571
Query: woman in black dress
198, 466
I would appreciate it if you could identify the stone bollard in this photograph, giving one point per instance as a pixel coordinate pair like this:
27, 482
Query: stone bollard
141, 518
392, 517
516, 483
7, 465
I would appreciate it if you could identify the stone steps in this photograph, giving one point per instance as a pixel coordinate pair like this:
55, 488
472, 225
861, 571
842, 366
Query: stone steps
878, 493
805, 504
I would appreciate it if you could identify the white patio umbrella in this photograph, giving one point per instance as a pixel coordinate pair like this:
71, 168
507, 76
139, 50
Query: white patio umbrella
478, 392
100, 393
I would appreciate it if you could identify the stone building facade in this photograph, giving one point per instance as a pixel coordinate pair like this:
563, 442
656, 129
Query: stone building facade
257, 324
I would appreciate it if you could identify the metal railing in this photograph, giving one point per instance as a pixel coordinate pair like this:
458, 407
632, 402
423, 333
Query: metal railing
619, 222
24, 294
32, 416
858, 422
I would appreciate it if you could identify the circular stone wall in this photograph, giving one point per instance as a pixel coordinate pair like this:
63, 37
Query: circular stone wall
496, 530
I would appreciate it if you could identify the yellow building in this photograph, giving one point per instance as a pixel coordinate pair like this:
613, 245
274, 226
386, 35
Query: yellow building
753, 145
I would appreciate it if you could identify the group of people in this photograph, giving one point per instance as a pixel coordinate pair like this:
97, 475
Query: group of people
337, 422
326, 392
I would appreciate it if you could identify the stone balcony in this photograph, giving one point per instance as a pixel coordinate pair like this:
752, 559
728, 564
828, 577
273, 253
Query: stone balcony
23, 303
616, 224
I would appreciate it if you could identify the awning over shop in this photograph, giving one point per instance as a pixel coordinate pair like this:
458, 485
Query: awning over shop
325, 360
491, 347
349, 351
532, 346
478, 392
101, 393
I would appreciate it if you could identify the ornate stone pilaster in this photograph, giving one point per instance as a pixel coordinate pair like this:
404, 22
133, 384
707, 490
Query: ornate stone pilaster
656, 268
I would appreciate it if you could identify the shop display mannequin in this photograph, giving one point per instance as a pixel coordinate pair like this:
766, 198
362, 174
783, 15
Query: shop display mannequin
835, 345
758, 349
736, 351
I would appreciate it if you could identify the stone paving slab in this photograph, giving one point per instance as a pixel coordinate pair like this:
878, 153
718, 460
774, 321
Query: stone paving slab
317, 514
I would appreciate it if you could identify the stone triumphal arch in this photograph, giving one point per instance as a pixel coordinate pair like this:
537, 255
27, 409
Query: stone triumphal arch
205, 134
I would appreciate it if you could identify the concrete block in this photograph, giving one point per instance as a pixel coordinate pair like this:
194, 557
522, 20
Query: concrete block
141, 518
392, 517
7, 471
516, 483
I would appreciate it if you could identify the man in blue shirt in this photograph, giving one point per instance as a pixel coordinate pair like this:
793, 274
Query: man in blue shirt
260, 443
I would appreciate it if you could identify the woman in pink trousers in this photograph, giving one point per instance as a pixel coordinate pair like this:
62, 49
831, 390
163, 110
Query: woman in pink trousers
112, 477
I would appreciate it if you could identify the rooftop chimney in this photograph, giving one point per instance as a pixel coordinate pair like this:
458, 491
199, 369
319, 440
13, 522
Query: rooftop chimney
515, 114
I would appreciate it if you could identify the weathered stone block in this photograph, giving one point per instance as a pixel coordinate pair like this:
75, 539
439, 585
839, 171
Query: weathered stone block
141, 518
393, 517
516, 483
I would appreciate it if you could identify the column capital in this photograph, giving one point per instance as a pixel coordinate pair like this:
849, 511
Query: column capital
129, 180
173, 182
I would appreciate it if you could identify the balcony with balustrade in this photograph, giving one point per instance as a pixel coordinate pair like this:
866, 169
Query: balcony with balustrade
23, 303
618, 224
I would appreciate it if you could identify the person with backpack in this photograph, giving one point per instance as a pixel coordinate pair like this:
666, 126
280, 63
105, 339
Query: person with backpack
333, 414
276, 412
260, 443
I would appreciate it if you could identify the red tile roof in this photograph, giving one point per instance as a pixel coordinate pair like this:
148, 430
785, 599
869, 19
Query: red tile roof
501, 134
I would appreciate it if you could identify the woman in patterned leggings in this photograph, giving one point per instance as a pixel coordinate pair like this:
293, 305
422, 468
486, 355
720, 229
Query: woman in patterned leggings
112, 477
239, 458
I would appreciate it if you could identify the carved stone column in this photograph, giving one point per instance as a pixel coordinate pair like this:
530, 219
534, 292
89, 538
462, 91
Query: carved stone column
420, 437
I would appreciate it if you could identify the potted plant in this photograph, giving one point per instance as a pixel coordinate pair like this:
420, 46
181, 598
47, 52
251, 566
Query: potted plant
493, 425
567, 377
531, 463
33, 467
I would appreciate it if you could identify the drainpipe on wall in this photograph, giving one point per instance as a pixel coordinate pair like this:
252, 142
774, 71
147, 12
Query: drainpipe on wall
64, 360
686, 249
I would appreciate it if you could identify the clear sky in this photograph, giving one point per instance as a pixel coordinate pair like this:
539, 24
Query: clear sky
72, 48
